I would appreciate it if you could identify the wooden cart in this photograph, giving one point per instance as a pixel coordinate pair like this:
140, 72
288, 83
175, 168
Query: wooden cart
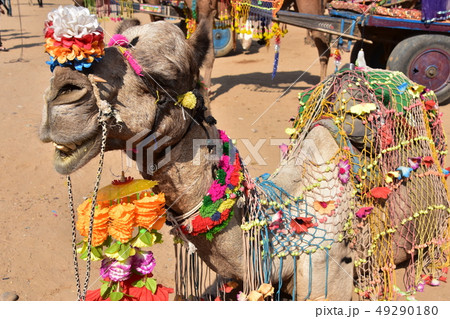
418, 49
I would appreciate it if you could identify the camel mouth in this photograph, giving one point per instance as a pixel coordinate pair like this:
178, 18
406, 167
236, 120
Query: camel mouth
71, 156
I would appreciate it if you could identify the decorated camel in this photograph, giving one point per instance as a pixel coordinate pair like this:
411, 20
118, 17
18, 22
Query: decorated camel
361, 188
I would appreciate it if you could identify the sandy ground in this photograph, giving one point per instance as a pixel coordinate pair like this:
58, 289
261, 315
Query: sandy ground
35, 231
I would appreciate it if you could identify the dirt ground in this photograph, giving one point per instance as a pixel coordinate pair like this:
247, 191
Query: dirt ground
35, 230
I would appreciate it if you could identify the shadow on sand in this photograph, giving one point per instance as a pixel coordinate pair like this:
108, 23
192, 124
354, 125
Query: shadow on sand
263, 82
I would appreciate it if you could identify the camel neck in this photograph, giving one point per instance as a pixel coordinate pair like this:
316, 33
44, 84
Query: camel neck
186, 172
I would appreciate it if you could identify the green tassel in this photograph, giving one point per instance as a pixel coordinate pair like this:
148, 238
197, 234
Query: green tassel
221, 176
210, 234
207, 201
208, 211
226, 148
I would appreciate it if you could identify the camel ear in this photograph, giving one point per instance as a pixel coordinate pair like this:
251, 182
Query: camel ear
126, 24
202, 37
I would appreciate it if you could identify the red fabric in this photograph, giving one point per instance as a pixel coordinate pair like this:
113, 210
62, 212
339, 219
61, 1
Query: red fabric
203, 224
301, 224
137, 294
234, 178
428, 160
380, 192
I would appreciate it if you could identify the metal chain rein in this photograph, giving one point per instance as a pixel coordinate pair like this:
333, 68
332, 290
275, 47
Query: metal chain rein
82, 295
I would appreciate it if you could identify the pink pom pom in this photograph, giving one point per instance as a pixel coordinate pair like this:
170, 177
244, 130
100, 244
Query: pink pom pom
120, 40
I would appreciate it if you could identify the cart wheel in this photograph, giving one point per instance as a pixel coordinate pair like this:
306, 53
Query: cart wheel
223, 42
425, 59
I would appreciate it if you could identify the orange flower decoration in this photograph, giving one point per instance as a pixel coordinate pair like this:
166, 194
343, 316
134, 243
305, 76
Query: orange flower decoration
150, 212
100, 227
122, 221
119, 220
325, 208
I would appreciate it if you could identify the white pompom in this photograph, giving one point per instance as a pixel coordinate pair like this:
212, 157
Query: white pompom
360, 60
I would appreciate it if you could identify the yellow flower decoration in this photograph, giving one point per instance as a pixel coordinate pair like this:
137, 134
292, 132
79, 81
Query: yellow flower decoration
363, 108
188, 100
391, 175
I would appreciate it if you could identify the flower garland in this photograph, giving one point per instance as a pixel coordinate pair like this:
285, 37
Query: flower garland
126, 267
217, 207
73, 37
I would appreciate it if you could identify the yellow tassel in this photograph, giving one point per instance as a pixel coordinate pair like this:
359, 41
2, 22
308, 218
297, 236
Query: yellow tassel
188, 100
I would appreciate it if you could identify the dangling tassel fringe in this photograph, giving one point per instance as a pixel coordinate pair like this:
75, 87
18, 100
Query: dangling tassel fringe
192, 276
277, 55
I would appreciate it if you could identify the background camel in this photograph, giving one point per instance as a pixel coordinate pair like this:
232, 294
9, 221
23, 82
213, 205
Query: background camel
204, 7
147, 104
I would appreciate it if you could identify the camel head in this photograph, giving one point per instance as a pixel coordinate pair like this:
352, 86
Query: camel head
147, 102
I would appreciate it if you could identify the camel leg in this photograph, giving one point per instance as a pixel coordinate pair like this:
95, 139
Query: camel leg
334, 284
208, 65
207, 10
322, 41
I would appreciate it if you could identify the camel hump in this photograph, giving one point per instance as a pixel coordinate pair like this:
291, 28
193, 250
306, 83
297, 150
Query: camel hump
319, 146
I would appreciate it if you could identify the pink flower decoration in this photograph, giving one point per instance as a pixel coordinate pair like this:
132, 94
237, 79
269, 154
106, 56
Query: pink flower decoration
364, 212
420, 287
223, 136
116, 270
414, 162
284, 148
120, 40
217, 191
344, 171
277, 221
144, 262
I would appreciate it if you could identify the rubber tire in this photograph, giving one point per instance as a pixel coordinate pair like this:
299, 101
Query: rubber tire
409, 56
223, 42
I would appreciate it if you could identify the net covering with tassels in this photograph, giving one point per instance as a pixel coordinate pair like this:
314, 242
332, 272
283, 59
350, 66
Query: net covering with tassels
389, 131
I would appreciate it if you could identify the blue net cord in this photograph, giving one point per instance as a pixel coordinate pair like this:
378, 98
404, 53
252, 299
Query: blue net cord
267, 260
294, 290
280, 278
310, 278
287, 243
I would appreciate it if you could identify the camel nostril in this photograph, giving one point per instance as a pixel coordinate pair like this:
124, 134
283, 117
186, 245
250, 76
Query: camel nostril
346, 260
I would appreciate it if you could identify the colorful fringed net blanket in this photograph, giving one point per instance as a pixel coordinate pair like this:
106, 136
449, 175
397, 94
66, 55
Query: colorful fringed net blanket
392, 148
388, 185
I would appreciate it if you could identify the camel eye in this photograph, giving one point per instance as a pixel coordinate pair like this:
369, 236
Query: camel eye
68, 88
